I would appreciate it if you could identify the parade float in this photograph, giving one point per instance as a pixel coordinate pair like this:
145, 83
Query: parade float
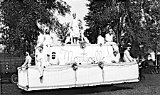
76, 65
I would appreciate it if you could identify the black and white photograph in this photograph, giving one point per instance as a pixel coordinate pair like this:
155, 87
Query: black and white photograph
79, 47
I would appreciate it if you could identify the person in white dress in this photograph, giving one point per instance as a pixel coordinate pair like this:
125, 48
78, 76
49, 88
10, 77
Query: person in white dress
74, 33
153, 56
116, 54
115, 57
127, 57
68, 39
28, 60
40, 61
100, 40
109, 36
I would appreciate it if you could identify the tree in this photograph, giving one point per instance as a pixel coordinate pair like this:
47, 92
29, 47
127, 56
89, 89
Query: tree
94, 19
21, 17
133, 21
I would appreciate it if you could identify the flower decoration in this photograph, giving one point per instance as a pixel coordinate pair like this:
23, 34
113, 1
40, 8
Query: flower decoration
74, 66
100, 64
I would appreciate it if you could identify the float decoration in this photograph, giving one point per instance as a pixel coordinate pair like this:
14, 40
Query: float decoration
100, 64
74, 66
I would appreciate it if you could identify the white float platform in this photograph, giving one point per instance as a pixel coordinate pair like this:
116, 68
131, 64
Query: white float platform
63, 76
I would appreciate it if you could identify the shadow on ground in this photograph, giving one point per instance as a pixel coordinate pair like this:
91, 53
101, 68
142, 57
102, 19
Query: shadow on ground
79, 90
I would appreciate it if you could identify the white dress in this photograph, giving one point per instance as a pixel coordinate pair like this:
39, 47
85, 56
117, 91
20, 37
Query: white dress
108, 37
40, 39
116, 58
153, 56
40, 60
75, 32
100, 40
28, 60
127, 57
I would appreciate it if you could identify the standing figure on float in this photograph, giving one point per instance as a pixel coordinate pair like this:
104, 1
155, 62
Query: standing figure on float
74, 33
82, 37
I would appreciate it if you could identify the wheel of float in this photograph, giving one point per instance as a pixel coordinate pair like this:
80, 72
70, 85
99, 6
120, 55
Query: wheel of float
14, 78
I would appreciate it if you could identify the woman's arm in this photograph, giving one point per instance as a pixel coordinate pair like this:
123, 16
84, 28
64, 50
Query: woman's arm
25, 63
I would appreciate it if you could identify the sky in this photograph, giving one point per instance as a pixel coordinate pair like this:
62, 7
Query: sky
77, 6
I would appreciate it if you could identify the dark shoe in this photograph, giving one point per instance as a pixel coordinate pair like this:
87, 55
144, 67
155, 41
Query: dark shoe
41, 77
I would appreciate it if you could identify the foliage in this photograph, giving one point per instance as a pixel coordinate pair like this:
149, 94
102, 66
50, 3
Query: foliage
95, 20
133, 21
62, 31
21, 17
